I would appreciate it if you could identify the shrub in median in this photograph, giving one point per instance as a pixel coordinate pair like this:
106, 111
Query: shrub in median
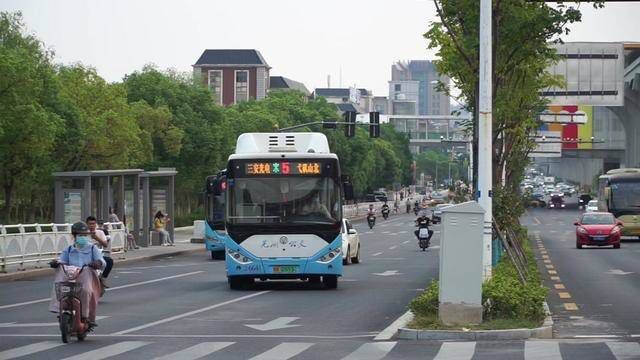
505, 297
426, 304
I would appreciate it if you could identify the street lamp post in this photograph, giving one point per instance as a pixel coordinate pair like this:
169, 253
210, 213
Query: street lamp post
485, 151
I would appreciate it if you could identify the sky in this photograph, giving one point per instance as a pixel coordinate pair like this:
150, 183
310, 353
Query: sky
353, 41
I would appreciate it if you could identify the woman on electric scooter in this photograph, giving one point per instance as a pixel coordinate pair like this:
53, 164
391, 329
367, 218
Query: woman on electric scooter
81, 253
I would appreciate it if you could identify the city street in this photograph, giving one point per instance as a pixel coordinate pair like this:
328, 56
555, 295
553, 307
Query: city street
592, 290
162, 306
181, 308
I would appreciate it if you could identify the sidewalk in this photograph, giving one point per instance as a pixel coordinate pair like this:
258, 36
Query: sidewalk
182, 241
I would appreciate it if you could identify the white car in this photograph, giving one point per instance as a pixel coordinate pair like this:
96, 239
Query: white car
350, 243
592, 206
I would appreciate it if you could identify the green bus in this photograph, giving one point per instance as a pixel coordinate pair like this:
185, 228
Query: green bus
622, 198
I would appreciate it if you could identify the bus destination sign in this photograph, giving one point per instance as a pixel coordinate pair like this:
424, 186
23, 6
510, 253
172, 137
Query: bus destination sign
283, 168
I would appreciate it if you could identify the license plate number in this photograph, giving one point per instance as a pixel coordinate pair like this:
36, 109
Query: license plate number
599, 238
285, 269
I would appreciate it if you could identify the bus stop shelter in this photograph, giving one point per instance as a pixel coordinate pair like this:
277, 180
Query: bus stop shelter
134, 195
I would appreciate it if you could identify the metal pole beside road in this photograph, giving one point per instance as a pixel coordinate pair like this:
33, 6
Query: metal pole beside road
485, 152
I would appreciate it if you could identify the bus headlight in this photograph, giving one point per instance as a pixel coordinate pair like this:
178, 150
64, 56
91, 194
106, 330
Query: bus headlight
328, 257
237, 257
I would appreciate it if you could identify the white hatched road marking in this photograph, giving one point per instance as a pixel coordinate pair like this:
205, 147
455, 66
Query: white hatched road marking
456, 351
109, 351
283, 351
542, 350
376, 254
624, 350
28, 349
197, 351
371, 351
110, 289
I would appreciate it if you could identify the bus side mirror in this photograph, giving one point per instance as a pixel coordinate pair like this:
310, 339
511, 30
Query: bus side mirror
607, 193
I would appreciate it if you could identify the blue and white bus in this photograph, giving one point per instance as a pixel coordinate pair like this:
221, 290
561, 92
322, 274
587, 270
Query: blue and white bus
215, 234
283, 209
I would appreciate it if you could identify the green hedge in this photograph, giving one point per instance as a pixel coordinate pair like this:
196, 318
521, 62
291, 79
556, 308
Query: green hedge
187, 220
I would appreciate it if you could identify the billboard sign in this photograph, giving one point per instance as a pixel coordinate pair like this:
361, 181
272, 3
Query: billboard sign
549, 144
593, 72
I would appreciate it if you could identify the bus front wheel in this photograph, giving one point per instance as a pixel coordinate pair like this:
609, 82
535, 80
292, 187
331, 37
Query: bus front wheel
330, 281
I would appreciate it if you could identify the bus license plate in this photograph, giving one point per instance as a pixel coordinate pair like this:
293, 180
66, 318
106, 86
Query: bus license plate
285, 269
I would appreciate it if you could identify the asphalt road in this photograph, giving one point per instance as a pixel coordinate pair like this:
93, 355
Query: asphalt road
593, 291
182, 308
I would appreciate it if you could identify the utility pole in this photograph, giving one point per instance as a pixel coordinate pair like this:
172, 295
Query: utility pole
485, 151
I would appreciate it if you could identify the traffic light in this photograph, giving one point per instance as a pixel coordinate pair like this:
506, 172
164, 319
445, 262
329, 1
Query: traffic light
350, 119
374, 124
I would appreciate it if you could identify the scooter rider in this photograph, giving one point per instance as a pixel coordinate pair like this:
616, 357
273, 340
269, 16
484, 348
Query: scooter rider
371, 212
423, 221
81, 253
385, 208
103, 243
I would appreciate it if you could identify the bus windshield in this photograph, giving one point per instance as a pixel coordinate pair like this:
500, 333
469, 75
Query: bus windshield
284, 200
625, 195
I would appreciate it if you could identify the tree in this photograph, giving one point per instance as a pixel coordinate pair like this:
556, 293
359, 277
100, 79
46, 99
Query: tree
100, 129
522, 31
28, 127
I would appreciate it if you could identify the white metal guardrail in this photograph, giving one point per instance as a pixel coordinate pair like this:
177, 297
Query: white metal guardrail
39, 243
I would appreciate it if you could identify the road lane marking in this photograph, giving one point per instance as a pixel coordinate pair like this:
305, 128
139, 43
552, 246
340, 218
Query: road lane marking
559, 286
552, 272
29, 349
537, 220
388, 273
546, 261
275, 324
456, 350
555, 278
197, 351
545, 256
624, 350
283, 351
376, 254
207, 336
110, 289
392, 329
18, 325
180, 316
371, 351
539, 350
392, 247
564, 295
109, 351
406, 242
549, 266
570, 306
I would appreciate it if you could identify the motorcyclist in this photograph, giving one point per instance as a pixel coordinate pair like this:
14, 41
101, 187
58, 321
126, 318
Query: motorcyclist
385, 207
423, 221
81, 253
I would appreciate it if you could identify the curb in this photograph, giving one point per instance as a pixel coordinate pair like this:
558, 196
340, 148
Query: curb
543, 332
31, 273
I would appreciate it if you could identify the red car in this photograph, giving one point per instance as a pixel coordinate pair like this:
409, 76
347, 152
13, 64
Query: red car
598, 229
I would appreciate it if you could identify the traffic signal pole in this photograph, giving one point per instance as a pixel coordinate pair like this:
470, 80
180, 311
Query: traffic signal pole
485, 150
